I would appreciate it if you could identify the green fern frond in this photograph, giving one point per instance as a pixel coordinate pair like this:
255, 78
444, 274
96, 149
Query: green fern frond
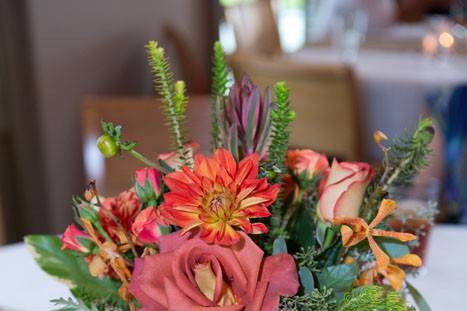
173, 97
219, 90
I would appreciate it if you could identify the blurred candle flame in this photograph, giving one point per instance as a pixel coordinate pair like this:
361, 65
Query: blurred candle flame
446, 40
430, 44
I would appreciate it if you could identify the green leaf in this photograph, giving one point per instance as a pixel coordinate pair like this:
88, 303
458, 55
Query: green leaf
165, 229
418, 298
339, 277
69, 268
301, 228
321, 229
306, 278
394, 248
279, 246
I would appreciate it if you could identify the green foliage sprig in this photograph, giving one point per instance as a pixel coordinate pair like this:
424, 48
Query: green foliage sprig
281, 118
173, 98
373, 298
408, 155
317, 300
219, 89
404, 159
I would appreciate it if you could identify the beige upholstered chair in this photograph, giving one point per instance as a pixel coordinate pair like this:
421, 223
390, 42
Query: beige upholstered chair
255, 27
324, 98
143, 122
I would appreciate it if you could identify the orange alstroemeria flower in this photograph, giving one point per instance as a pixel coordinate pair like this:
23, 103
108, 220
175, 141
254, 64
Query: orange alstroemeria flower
391, 272
355, 230
217, 196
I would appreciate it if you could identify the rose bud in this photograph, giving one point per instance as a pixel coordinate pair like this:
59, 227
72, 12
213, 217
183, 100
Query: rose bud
307, 161
343, 191
70, 239
148, 184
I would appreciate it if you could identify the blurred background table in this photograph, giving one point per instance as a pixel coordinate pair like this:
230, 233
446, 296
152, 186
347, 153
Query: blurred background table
393, 85
26, 288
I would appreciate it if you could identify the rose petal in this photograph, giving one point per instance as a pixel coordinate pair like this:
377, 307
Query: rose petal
281, 273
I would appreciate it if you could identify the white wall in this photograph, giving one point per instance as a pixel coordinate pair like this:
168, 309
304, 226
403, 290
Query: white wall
83, 47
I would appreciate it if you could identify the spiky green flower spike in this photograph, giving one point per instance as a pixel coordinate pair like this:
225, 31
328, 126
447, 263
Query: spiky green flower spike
219, 89
281, 117
173, 98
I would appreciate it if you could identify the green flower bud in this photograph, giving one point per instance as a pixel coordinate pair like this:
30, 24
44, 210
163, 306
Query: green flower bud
107, 146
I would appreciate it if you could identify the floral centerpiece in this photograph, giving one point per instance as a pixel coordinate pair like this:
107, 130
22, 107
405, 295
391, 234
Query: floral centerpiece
253, 226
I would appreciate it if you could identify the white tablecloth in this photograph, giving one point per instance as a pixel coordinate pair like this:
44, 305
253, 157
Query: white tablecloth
393, 85
25, 287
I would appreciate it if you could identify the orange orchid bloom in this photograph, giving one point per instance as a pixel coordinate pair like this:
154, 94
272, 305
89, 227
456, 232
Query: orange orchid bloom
217, 196
391, 272
355, 230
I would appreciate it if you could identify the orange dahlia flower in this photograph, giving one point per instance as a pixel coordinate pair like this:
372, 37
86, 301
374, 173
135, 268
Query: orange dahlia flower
217, 196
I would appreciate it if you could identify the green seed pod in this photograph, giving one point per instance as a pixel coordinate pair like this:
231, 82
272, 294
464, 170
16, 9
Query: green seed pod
107, 146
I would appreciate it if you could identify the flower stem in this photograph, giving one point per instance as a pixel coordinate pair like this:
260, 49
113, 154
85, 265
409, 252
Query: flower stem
143, 159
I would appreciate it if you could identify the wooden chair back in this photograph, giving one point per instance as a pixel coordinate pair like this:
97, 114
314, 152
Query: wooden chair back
142, 120
255, 27
323, 97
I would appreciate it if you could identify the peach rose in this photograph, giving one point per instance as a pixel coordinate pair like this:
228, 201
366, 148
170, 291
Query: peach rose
189, 274
342, 192
306, 160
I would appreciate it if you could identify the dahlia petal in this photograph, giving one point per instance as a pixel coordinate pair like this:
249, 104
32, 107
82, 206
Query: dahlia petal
257, 211
247, 168
259, 228
188, 227
226, 160
251, 201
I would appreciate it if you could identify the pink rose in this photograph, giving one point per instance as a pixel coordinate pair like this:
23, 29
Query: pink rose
152, 175
146, 226
69, 239
342, 192
190, 274
309, 161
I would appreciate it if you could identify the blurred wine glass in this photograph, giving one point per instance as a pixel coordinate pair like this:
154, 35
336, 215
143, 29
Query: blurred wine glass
416, 212
349, 31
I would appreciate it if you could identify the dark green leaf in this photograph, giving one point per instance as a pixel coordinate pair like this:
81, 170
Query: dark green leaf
306, 278
279, 246
301, 228
321, 229
418, 298
394, 248
339, 277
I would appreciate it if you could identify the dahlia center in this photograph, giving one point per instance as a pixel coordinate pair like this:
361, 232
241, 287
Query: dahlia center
219, 204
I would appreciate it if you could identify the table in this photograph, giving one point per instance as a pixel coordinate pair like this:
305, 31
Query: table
444, 282
393, 85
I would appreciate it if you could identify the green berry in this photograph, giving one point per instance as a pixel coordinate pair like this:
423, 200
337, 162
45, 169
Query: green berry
107, 146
